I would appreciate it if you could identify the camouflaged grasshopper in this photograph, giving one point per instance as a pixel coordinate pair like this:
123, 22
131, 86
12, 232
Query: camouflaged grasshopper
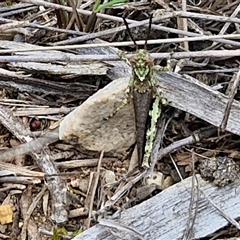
147, 98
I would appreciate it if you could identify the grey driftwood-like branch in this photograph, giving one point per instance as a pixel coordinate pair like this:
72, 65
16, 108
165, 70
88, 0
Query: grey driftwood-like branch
35, 145
41, 155
165, 215
192, 96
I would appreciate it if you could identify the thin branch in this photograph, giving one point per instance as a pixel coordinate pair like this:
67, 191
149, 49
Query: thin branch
93, 189
39, 26
128, 43
77, 58
230, 101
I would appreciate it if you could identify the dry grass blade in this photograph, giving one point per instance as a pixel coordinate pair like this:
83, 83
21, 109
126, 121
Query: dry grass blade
92, 190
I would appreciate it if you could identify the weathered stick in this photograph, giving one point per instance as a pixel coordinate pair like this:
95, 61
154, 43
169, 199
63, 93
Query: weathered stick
165, 215
200, 100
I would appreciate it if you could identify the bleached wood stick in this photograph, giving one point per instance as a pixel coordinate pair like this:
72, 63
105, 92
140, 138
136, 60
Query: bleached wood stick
200, 100
165, 215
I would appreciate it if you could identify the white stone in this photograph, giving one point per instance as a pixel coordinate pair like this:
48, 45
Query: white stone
158, 179
88, 122
109, 177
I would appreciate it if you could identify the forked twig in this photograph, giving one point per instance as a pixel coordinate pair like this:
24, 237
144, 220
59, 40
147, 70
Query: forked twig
92, 190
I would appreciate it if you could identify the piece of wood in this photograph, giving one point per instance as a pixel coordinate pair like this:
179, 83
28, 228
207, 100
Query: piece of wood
200, 100
62, 68
23, 82
56, 185
165, 215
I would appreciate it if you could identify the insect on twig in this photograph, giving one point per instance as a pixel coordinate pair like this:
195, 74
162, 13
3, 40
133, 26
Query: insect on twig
147, 98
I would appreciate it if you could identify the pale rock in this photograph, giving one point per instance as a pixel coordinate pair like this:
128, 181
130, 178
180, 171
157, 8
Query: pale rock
168, 181
89, 126
109, 177
158, 179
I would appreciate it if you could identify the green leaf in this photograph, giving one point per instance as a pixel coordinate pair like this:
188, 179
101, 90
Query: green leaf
79, 231
109, 4
58, 232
